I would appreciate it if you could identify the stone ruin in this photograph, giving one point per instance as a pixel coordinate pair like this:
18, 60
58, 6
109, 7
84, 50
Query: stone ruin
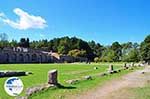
125, 66
111, 69
13, 73
52, 77
52, 82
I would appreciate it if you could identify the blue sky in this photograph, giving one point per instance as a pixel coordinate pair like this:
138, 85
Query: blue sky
103, 21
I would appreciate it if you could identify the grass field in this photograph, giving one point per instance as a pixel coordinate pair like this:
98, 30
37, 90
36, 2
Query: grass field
66, 72
142, 93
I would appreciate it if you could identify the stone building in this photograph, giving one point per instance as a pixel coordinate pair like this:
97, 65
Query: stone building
66, 59
27, 55
23, 55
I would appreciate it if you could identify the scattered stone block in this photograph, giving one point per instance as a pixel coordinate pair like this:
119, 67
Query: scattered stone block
132, 65
111, 69
88, 77
141, 65
119, 70
23, 97
115, 71
143, 72
12, 73
125, 66
36, 89
52, 77
131, 68
148, 81
103, 74
2, 74
95, 68
74, 81
28, 73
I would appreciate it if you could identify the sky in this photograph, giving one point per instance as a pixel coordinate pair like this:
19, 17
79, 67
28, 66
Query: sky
104, 21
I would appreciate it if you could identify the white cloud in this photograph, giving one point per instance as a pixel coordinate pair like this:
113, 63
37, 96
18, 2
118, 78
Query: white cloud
2, 15
25, 21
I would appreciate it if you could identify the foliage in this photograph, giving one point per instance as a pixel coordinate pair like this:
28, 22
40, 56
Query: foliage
93, 51
24, 42
145, 49
116, 47
132, 56
109, 55
97, 59
77, 53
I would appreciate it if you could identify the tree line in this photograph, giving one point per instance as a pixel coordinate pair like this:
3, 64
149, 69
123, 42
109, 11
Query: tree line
116, 52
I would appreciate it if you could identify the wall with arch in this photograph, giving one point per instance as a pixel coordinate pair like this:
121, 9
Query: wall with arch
20, 57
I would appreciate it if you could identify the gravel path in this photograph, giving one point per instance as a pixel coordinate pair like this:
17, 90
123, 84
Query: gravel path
111, 90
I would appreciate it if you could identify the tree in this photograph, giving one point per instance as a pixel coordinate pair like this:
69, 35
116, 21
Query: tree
97, 49
63, 46
3, 37
145, 49
24, 42
4, 40
117, 48
77, 53
109, 55
132, 56
13, 43
96, 59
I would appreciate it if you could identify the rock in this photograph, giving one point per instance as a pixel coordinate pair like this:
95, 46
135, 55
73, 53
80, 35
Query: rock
28, 73
111, 69
52, 77
12, 73
36, 89
125, 66
23, 97
132, 65
141, 65
119, 70
74, 81
88, 78
131, 68
103, 74
148, 81
115, 71
143, 72
2, 74
95, 68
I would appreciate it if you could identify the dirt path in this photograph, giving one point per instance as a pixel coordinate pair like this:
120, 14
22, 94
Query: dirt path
112, 89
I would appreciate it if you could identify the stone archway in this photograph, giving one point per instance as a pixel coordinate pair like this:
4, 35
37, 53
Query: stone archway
27, 58
40, 59
14, 57
45, 58
34, 58
6, 57
21, 58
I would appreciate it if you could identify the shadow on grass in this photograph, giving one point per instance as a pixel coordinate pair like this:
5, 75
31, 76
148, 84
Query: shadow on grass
65, 87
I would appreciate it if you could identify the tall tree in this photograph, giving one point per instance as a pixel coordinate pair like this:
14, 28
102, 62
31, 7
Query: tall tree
24, 42
117, 48
145, 49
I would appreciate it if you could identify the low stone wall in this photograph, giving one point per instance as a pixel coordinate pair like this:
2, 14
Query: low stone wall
13, 73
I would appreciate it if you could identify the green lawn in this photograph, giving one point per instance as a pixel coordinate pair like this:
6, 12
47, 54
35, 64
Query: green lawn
66, 72
142, 93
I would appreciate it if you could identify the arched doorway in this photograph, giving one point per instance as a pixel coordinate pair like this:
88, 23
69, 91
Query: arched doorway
21, 58
14, 57
27, 57
34, 58
40, 59
6, 57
